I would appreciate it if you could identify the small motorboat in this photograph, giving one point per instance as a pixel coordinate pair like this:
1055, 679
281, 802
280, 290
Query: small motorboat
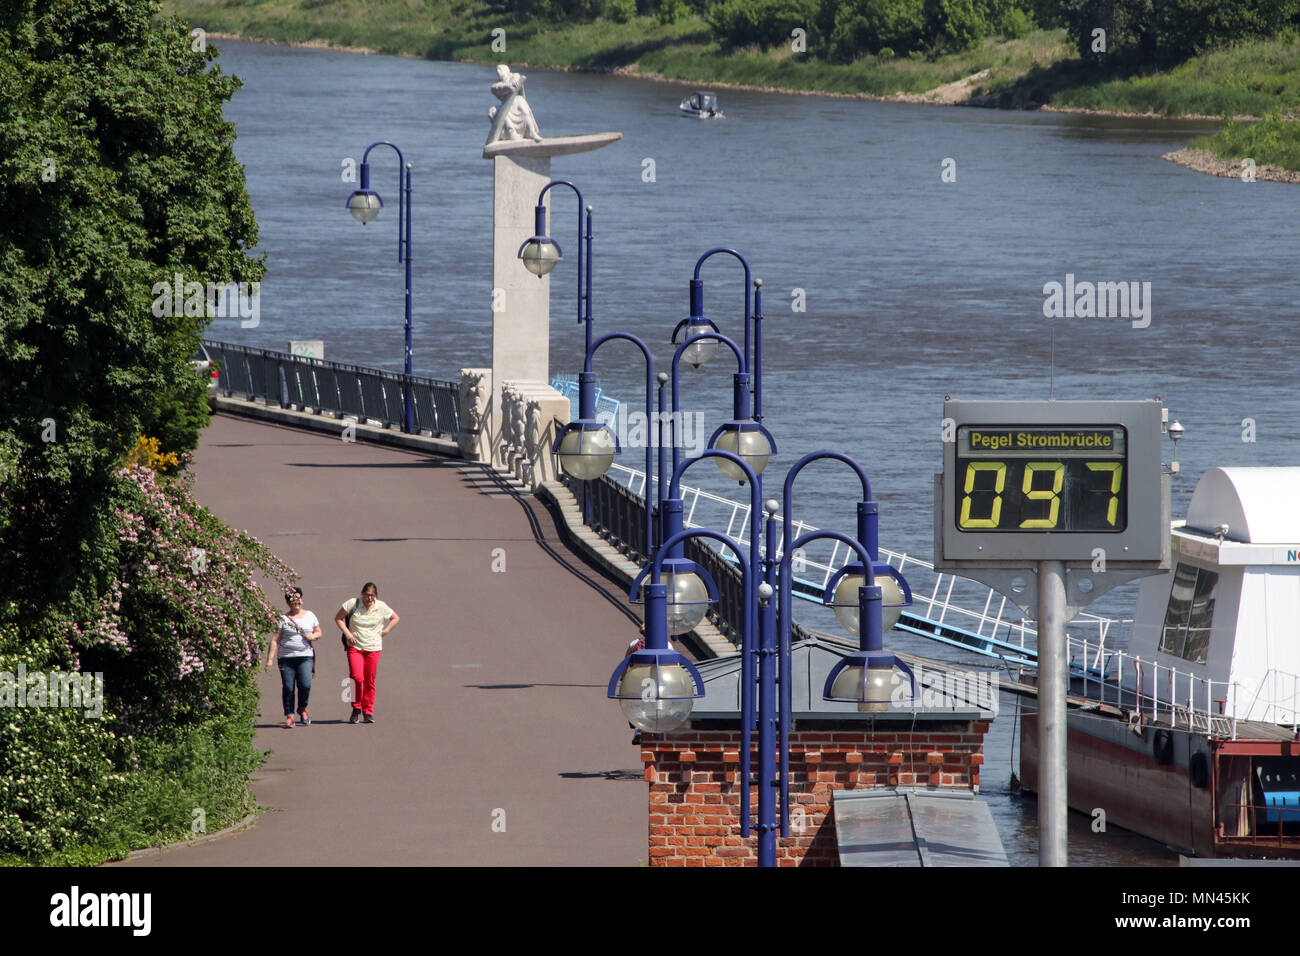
701, 105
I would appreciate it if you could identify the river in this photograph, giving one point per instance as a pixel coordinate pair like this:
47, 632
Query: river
911, 287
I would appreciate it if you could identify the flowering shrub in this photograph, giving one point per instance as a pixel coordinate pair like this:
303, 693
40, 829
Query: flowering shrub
176, 630
147, 452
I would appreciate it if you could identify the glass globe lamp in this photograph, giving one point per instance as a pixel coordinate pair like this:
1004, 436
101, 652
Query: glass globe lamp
845, 601
586, 450
750, 444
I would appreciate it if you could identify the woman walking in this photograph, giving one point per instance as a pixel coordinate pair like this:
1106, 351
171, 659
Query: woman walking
364, 623
291, 645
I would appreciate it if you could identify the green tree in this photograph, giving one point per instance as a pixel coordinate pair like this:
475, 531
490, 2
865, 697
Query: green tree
117, 171
1170, 31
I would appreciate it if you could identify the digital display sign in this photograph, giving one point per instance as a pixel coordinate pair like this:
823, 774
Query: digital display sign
1030, 481
1041, 478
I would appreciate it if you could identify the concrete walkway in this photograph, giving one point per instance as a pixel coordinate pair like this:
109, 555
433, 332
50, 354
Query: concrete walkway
491, 702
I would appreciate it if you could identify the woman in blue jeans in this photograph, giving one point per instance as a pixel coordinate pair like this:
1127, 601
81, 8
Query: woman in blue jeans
291, 645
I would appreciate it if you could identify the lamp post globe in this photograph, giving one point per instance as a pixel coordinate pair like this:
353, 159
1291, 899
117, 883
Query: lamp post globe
364, 204
871, 687
845, 601
697, 353
587, 453
540, 256
749, 444
656, 698
688, 600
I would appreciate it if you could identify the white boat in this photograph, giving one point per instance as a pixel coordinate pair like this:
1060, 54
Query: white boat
701, 105
1189, 737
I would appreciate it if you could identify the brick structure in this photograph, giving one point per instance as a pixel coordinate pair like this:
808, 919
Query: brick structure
695, 791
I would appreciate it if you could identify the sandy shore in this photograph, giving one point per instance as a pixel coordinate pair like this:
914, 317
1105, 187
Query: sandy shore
1203, 161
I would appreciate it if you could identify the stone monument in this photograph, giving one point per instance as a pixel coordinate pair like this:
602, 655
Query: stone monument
521, 166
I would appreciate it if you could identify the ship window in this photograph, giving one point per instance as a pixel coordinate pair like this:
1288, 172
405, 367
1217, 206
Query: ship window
1190, 614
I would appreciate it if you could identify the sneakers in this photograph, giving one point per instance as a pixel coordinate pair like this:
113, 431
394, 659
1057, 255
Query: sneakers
303, 717
356, 716
288, 722
368, 719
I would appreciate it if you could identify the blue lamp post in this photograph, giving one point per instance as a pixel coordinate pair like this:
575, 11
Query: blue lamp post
864, 677
364, 204
744, 434
540, 253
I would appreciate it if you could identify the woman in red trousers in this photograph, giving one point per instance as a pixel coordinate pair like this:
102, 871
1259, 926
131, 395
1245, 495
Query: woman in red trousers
364, 622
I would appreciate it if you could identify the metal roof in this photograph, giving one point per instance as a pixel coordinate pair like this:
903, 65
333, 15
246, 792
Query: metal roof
907, 826
810, 662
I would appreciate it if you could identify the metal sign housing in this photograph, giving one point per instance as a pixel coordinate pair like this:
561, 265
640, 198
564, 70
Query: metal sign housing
1071, 481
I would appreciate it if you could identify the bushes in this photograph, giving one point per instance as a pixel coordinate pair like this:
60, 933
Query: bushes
762, 23
870, 25
918, 26
176, 635
1171, 31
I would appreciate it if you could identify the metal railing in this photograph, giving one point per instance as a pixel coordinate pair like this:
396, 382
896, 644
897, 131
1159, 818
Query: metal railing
370, 394
1152, 691
606, 407
618, 515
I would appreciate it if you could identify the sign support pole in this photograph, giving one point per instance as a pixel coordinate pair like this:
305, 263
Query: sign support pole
1053, 677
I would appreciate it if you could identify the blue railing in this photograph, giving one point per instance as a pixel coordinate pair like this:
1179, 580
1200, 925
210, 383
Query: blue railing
371, 394
567, 385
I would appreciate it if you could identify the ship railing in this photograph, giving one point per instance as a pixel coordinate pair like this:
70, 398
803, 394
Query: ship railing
1285, 816
942, 599
1155, 692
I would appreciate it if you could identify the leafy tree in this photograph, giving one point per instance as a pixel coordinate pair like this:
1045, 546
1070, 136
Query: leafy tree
869, 25
117, 171
764, 23
1170, 31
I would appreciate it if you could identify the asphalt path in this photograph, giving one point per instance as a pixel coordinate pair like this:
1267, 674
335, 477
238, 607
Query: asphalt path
494, 743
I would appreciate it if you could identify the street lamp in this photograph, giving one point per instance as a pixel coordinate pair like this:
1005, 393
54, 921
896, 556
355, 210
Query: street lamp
656, 686
364, 204
540, 253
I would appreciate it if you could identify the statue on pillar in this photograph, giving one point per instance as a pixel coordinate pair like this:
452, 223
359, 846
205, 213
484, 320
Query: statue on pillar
513, 119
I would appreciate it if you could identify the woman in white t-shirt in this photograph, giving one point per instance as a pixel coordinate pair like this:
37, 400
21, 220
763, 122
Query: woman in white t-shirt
291, 646
364, 623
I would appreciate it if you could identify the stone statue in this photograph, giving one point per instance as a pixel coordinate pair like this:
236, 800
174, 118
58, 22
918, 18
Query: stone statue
513, 119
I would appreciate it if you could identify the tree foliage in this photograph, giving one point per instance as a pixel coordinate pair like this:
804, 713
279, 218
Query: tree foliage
116, 172
1170, 31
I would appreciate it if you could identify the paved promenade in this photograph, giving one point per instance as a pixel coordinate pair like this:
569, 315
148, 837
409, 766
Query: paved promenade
491, 694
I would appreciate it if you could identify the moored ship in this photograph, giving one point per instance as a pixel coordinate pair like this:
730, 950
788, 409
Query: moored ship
1189, 736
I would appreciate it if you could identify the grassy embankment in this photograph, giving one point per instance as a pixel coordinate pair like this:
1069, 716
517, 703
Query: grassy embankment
1039, 69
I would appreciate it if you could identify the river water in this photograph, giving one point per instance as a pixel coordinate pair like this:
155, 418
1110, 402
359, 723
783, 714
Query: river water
912, 288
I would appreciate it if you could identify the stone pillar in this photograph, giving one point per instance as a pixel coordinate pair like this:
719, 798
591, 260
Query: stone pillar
694, 810
521, 316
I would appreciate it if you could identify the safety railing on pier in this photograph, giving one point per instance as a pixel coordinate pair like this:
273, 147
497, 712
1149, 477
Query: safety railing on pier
370, 394
618, 514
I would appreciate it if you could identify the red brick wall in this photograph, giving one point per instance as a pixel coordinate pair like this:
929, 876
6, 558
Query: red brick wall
695, 792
